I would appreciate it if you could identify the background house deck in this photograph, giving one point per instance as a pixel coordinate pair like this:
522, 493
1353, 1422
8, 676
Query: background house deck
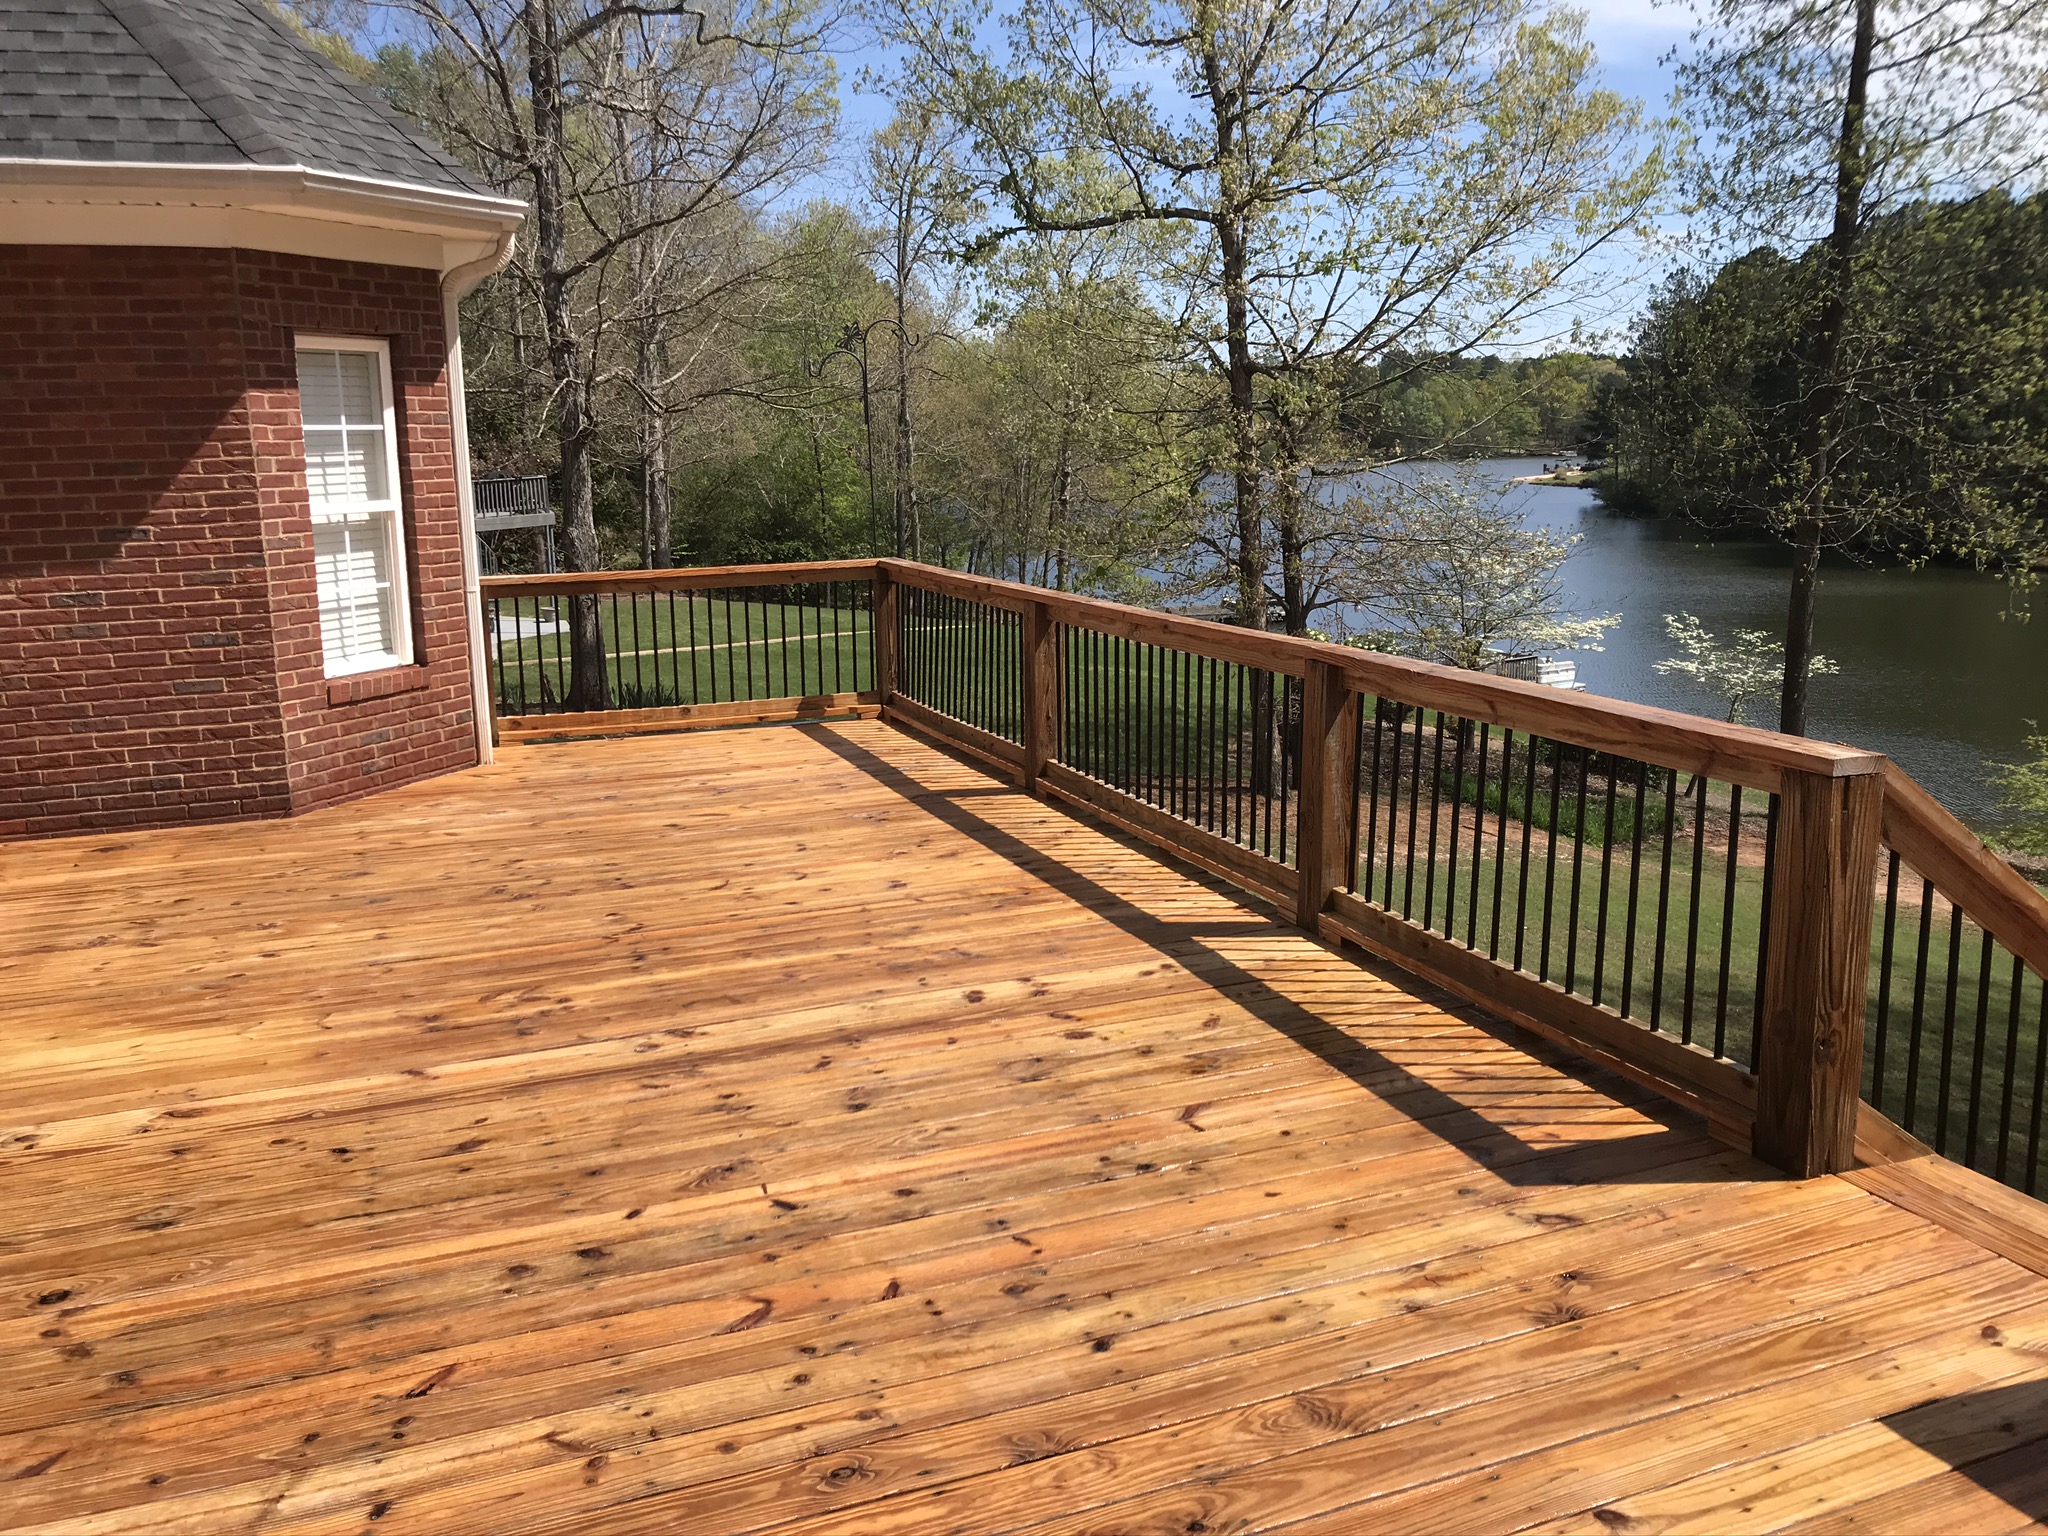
795, 1129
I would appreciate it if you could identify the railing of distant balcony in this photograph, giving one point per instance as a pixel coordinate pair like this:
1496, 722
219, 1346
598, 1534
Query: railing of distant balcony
1688, 902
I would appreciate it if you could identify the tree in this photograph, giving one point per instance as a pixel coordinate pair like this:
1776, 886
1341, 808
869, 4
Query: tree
1461, 575
923, 199
1350, 175
717, 109
1749, 664
1085, 369
2023, 789
1827, 114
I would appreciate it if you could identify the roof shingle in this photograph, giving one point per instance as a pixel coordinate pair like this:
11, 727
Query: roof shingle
184, 82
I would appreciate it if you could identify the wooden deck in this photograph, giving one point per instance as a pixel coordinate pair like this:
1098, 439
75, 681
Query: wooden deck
789, 1129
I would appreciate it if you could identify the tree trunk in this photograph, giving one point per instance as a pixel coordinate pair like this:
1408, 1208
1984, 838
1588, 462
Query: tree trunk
657, 547
1286, 494
1062, 512
908, 534
1799, 628
1826, 391
1247, 483
588, 685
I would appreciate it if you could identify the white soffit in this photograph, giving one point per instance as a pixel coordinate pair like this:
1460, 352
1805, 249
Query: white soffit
290, 209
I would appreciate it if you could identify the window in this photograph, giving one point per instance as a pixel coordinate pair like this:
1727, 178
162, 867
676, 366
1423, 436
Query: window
352, 485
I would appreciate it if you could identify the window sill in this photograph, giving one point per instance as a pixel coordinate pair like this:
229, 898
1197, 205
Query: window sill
381, 684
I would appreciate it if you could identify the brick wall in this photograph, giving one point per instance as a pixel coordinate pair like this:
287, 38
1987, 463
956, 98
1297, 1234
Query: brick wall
365, 733
159, 640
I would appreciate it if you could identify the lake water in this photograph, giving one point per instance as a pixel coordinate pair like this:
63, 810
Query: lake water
1932, 674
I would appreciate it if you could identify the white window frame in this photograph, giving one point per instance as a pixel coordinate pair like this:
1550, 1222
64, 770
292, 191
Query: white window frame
389, 511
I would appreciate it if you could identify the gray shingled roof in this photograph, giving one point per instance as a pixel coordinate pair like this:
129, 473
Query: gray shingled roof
195, 82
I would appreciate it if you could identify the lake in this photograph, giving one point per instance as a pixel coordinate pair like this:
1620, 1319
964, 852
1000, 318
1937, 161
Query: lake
1932, 672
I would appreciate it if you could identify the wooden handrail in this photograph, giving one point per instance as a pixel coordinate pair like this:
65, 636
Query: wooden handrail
1945, 851
1736, 754
678, 578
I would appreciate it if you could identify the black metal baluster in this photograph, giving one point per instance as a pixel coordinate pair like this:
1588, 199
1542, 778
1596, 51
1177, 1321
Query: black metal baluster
1141, 693
1635, 870
1290, 754
1414, 821
1157, 695
1223, 733
1663, 899
1176, 738
714, 602
952, 679
1091, 702
1500, 841
1371, 784
645, 650
1918, 1030
874, 677
1977, 1051
1728, 917
656, 601
565, 619
1259, 769
1247, 804
1763, 925
1131, 721
1457, 814
1190, 739
1522, 883
754, 615
1478, 842
688, 632
1436, 792
781, 634
1357, 764
1110, 745
1881, 1044
1945, 1078
494, 643
1557, 751
1394, 804
1606, 881
1571, 942
1692, 930
2009, 1068
803, 657
2040, 1092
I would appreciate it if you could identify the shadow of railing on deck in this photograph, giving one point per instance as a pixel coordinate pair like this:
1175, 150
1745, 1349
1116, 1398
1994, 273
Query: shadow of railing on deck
1669, 1152
1997, 1438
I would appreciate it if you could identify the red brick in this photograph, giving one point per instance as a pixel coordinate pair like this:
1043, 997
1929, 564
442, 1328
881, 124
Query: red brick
150, 475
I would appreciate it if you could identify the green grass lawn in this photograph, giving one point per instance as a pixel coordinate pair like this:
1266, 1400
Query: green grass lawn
686, 648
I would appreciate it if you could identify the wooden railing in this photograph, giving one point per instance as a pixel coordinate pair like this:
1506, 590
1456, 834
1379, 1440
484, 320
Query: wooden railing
622, 651
1687, 902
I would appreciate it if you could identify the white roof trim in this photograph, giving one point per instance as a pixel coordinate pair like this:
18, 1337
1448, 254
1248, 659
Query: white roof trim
266, 207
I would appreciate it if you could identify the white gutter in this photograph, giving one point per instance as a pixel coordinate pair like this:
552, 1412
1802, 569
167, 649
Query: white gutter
455, 283
277, 188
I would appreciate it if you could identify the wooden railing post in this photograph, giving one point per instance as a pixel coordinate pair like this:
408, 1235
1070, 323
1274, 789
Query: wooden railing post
1329, 752
1040, 726
888, 635
1809, 1050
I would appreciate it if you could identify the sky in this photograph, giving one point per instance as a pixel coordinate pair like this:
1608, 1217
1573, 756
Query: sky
1631, 38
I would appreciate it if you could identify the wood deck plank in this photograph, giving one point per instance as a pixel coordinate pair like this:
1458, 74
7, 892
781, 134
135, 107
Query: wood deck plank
791, 1128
